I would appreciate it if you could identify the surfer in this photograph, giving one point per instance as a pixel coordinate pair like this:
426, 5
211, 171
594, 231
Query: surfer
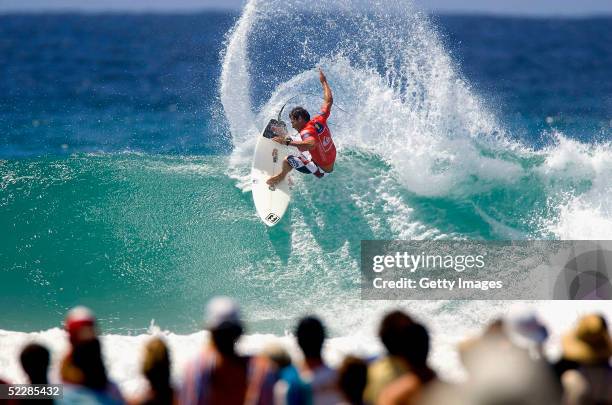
317, 150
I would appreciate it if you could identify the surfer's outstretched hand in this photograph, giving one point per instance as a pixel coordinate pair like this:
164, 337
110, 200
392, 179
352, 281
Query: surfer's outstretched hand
322, 77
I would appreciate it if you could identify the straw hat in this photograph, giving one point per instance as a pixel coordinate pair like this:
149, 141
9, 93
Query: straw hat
590, 342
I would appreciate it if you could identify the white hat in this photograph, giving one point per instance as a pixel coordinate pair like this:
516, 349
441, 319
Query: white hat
222, 310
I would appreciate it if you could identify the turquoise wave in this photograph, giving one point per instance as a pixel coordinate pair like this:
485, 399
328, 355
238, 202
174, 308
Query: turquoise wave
141, 237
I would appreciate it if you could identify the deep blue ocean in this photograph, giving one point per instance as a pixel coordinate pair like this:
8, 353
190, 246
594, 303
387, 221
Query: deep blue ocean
150, 82
125, 145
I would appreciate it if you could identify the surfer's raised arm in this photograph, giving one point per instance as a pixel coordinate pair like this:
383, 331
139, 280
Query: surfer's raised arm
328, 98
316, 140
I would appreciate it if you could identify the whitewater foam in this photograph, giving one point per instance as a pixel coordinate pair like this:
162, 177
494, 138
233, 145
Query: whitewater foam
407, 104
578, 177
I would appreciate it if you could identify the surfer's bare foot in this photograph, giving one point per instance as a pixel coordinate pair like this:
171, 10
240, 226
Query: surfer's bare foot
275, 179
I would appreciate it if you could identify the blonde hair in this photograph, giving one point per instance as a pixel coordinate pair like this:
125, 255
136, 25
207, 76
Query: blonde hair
156, 363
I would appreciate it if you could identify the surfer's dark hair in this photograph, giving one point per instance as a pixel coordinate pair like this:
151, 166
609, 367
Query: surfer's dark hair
299, 112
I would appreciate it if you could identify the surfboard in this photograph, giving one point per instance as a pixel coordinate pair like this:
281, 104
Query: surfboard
270, 201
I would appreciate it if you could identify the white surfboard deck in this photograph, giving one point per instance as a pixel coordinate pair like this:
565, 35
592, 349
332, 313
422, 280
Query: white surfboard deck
270, 201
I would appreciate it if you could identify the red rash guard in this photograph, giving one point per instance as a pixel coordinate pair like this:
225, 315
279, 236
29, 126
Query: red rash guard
324, 151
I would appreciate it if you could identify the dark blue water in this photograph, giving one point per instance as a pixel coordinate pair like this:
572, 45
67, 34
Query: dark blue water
80, 83
539, 68
149, 83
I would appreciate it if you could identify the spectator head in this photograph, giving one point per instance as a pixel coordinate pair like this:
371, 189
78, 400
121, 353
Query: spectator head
80, 323
278, 355
525, 330
224, 323
35, 362
502, 373
156, 364
589, 342
495, 327
405, 338
352, 379
494, 331
310, 334
86, 356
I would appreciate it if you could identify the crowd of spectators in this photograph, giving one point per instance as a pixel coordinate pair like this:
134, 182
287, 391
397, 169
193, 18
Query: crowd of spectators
506, 365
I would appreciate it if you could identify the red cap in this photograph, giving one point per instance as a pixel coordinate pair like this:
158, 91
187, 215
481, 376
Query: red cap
77, 318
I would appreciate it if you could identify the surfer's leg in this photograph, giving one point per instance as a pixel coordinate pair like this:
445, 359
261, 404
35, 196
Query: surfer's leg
305, 165
300, 163
279, 177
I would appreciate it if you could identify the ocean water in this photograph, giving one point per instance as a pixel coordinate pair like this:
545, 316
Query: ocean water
125, 147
